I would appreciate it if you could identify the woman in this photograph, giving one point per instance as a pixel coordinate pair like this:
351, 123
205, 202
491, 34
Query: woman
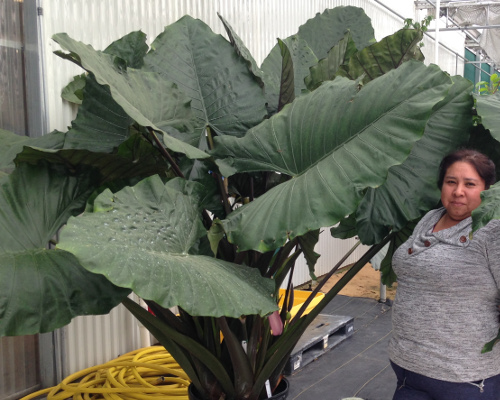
448, 290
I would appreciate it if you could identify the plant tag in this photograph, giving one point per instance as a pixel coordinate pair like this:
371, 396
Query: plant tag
244, 345
268, 389
325, 341
298, 361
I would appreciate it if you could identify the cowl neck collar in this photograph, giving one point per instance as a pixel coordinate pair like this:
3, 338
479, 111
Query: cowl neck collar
449, 235
424, 238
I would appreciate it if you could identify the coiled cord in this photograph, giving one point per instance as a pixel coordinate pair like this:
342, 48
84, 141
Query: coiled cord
142, 374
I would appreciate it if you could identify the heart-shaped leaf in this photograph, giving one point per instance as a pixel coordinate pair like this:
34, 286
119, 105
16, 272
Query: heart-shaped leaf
41, 289
335, 142
325, 30
487, 108
147, 238
379, 58
11, 145
327, 68
146, 97
276, 68
411, 188
224, 93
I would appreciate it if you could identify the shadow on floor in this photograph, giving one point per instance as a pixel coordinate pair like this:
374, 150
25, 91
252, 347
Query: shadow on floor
357, 367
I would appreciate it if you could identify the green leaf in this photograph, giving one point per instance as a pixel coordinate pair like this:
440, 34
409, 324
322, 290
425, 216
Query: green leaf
242, 50
287, 86
101, 124
149, 243
397, 239
488, 109
201, 172
488, 143
379, 58
215, 235
40, 289
482, 141
411, 188
289, 71
11, 145
73, 91
146, 97
131, 48
489, 346
346, 228
35, 202
325, 30
307, 243
134, 158
327, 68
335, 143
224, 94
180, 346
489, 208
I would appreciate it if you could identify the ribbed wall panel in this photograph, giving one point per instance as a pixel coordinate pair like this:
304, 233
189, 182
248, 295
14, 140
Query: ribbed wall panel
18, 366
258, 22
331, 250
93, 340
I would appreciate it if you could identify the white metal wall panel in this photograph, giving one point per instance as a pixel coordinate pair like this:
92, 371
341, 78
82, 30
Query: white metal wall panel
18, 366
448, 60
93, 340
450, 53
331, 250
258, 22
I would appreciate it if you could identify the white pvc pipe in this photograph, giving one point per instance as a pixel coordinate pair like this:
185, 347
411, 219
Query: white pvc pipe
436, 51
383, 290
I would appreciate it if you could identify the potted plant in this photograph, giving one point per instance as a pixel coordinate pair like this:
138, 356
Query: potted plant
195, 178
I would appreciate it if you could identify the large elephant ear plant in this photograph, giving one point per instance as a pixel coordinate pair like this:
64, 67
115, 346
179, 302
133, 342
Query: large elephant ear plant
195, 178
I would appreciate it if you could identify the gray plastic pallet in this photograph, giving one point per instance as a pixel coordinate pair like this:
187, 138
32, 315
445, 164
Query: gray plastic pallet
324, 333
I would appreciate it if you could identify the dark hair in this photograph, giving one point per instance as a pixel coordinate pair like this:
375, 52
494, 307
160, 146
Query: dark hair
485, 168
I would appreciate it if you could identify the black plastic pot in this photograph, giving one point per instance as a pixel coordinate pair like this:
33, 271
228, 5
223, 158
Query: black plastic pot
281, 392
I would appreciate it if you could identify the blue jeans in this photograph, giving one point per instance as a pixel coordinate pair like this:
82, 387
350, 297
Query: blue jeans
413, 386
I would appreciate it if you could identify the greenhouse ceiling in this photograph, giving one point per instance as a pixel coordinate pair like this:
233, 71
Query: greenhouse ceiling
479, 20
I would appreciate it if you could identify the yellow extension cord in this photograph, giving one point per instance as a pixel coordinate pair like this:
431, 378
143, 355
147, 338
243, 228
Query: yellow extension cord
142, 374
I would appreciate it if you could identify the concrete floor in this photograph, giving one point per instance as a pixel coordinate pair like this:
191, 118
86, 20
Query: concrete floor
359, 365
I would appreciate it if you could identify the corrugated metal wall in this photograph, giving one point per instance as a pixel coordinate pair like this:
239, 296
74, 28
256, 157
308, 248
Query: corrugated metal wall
331, 250
258, 22
12, 82
18, 355
92, 340
18, 366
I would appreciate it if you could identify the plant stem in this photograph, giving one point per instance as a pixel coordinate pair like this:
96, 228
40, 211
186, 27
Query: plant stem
325, 279
243, 372
206, 218
225, 199
284, 345
252, 189
347, 277
166, 154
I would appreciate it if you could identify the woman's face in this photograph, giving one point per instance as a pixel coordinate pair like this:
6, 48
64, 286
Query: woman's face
461, 190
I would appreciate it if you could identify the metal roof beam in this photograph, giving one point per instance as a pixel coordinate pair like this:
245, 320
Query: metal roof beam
464, 28
426, 4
